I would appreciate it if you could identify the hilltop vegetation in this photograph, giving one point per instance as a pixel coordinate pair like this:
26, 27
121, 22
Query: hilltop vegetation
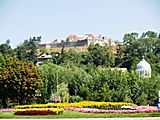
86, 75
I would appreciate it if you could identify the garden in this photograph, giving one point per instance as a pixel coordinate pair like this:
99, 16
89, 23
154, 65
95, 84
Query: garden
85, 109
90, 84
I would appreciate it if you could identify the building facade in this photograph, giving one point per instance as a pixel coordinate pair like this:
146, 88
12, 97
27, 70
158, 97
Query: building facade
85, 40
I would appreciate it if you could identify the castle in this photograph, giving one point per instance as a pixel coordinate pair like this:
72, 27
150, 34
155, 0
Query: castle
84, 40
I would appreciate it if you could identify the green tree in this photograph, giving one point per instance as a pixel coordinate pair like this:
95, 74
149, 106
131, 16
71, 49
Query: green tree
114, 85
149, 88
27, 50
86, 58
6, 49
80, 82
64, 92
18, 80
72, 57
119, 55
149, 34
43, 50
130, 52
134, 84
134, 48
50, 73
101, 55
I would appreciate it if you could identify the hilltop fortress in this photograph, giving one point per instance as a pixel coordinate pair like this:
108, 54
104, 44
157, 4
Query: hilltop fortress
85, 40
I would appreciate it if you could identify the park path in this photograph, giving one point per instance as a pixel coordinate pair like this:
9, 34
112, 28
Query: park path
137, 118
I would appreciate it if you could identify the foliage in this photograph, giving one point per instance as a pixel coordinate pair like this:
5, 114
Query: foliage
5, 48
43, 50
64, 92
135, 47
94, 75
79, 83
69, 76
72, 57
18, 80
27, 50
101, 55
75, 99
48, 81
50, 74
97, 84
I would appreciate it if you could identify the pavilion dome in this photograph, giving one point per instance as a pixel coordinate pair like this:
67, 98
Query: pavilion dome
144, 68
143, 65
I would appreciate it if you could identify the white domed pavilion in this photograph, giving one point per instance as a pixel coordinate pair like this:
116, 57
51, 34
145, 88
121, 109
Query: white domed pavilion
144, 68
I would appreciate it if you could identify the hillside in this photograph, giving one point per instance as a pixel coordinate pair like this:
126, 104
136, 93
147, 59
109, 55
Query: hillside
77, 49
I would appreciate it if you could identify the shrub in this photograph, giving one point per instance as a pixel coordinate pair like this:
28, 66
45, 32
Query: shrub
75, 99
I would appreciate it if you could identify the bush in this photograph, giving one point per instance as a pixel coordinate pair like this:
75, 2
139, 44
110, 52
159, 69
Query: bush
75, 99
142, 100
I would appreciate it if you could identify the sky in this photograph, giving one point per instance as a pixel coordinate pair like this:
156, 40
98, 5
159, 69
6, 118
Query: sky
56, 19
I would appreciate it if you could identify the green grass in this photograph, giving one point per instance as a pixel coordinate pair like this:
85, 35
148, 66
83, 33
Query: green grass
72, 114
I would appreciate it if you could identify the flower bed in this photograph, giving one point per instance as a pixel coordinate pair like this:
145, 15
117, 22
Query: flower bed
35, 112
7, 110
44, 111
85, 104
88, 110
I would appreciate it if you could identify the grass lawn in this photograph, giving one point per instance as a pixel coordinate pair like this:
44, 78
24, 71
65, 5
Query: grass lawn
72, 114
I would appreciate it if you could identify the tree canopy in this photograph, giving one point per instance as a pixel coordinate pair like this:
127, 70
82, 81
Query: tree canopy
5, 48
27, 50
18, 80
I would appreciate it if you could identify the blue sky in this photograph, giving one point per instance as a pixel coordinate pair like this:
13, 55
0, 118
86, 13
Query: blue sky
56, 19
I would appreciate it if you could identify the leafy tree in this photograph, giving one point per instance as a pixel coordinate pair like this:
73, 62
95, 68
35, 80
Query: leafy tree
119, 55
109, 56
61, 60
149, 88
149, 34
6, 49
86, 58
50, 73
72, 57
64, 92
18, 80
134, 48
134, 84
129, 50
114, 85
43, 50
80, 82
101, 55
27, 50
142, 100
130, 37
95, 51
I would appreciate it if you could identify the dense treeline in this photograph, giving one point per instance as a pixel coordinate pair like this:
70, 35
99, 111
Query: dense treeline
98, 84
87, 75
18, 80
